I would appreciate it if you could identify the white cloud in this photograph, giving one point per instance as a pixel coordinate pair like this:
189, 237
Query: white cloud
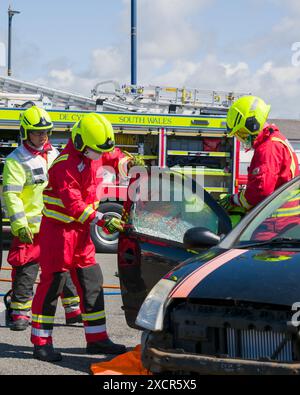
108, 62
170, 44
104, 64
278, 85
230, 70
166, 29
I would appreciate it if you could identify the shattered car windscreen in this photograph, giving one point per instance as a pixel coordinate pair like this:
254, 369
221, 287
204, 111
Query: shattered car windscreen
171, 219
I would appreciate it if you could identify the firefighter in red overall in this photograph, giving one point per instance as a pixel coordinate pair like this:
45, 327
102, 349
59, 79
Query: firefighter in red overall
24, 179
70, 206
274, 161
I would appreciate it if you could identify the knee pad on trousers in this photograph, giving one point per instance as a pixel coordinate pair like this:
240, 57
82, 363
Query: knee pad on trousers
54, 291
69, 290
91, 280
23, 282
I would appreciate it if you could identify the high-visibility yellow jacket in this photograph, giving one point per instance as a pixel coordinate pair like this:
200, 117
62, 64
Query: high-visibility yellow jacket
25, 175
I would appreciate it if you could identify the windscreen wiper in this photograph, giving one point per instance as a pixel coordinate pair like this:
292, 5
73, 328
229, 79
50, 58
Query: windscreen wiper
273, 242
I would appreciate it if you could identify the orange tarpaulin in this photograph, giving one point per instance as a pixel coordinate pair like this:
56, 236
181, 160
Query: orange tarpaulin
128, 363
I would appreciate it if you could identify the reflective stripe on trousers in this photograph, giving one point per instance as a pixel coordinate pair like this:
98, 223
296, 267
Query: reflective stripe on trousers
92, 304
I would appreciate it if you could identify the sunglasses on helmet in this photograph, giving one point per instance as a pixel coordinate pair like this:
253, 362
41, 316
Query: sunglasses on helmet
109, 144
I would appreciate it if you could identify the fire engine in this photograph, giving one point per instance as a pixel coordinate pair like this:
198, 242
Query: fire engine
167, 126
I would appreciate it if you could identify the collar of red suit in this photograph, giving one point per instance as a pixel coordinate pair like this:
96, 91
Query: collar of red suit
268, 130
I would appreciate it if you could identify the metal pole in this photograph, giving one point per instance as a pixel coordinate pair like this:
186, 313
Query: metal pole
9, 44
11, 13
133, 43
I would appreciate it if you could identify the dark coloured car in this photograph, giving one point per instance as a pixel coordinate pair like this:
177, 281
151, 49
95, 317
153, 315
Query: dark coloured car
230, 309
153, 242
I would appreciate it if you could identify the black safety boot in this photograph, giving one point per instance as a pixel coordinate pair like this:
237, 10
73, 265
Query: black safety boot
46, 353
105, 347
19, 325
74, 320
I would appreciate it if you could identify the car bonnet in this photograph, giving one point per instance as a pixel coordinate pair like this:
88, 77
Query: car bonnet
256, 275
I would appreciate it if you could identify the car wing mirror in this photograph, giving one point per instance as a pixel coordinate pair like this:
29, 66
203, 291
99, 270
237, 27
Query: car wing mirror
200, 238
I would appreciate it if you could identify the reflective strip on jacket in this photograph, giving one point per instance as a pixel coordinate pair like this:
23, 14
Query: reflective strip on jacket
71, 194
24, 179
273, 164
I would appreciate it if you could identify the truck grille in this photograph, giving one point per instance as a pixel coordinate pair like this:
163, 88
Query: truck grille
253, 344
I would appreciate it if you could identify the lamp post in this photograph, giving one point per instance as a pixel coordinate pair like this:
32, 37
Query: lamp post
11, 13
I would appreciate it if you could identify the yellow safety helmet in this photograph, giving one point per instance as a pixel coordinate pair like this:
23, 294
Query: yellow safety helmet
93, 131
246, 117
34, 119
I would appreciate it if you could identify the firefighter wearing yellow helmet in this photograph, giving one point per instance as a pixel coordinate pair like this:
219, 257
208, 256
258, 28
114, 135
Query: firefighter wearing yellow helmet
70, 206
274, 161
24, 179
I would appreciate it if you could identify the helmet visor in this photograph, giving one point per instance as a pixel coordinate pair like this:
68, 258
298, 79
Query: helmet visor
242, 135
229, 130
107, 146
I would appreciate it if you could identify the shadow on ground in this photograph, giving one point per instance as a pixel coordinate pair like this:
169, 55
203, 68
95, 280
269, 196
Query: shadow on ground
73, 358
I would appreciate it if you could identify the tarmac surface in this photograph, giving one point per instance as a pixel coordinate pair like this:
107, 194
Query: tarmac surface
16, 348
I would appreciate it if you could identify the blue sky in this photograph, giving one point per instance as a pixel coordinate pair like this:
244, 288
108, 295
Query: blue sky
242, 45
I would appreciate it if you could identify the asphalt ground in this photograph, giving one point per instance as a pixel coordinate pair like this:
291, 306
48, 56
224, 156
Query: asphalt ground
16, 348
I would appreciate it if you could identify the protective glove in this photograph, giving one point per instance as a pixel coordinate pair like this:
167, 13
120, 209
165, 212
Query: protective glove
138, 161
226, 201
112, 225
134, 160
235, 219
25, 235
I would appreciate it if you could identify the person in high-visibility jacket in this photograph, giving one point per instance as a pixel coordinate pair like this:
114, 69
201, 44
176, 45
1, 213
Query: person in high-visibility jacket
24, 179
71, 203
274, 161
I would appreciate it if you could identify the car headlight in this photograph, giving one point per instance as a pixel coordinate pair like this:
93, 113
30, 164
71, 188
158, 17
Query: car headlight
151, 314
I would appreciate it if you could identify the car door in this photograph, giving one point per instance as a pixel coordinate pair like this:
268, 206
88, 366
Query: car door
166, 205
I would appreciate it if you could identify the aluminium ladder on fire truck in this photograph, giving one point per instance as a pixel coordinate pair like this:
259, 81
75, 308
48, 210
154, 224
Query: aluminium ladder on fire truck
161, 99
14, 93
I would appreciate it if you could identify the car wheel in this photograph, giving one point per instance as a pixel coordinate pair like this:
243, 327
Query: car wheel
103, 242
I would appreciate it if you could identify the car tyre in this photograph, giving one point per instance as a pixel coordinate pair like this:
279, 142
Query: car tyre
104, 243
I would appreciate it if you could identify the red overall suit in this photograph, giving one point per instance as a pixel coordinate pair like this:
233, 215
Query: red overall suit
24, 257
273, 164
70, 203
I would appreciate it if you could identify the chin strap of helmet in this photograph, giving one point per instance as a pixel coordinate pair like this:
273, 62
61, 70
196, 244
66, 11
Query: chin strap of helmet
33, 146
91, 154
